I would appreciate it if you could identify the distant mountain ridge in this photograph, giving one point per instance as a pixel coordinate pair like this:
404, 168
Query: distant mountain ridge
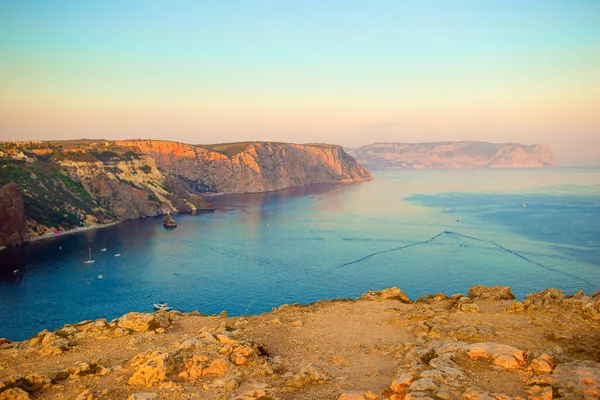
463, 154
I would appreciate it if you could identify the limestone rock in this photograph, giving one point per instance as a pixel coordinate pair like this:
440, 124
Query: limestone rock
515, 306
143, 396
14, 394
29, 383
311, 374
85, 395
502, 355
138, 322
576, 379
153, 371
400, 384
542, 365
219, 366
354, 395
491, 293
193, 369
392, 293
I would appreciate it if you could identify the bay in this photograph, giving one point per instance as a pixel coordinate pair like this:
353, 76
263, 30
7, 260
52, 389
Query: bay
423, 231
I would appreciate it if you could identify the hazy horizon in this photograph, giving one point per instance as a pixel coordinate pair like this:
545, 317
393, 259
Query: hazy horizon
344, 72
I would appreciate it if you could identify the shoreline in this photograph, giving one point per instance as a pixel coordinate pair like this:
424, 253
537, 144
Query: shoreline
70, 232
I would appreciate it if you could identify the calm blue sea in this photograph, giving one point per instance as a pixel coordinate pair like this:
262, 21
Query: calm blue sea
423, 231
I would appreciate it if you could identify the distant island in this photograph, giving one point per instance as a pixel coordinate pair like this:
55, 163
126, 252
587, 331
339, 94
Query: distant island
443, 155
49, 187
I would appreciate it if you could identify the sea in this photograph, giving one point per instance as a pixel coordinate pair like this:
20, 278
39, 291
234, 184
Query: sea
424, 231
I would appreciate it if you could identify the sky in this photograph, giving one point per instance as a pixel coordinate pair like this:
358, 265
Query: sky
338, 71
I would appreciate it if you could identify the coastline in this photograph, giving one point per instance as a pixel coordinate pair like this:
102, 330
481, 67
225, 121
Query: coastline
70, 232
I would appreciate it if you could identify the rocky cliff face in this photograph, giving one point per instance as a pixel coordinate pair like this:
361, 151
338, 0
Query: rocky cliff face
13, 229
74, 183
453, 155
252, 167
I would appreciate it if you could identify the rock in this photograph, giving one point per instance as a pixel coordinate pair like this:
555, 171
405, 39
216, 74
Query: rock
549, 294
491, 293
13, 226
219, 366
85, 395
540, 393
227, 383
138, 322
242, 355
392, 293
193, 369
542, 365
354, 395
311, 374
476, 394
163, 319
143, 396
515, 306
506, 361
30, 383
468, 307
153, 371
500, 354
572, 380
423, 385
400, 384
14, 394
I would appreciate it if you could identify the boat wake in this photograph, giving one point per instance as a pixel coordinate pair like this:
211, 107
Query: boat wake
463, 236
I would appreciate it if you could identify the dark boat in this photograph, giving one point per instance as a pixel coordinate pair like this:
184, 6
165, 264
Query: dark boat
169, 222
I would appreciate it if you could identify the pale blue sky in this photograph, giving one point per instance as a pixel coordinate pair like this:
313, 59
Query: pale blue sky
348, 72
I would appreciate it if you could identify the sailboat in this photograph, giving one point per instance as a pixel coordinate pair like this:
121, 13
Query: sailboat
118, 253
89, 261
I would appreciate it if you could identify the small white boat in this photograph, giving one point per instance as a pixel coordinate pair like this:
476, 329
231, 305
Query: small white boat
89, 261
103, 250
118, 255
161, 306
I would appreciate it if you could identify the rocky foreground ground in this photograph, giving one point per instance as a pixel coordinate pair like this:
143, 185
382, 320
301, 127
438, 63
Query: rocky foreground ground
382, 346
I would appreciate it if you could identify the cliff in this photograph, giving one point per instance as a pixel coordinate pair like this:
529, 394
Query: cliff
13, 229
381, 346
252, 167
453, 155
66, 184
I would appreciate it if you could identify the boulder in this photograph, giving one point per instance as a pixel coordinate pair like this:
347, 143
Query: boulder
138, 322
219, 366
392, 293
154, 370
14, 394
489, 293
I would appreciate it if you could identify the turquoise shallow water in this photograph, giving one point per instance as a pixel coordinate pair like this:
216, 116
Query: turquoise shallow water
423, 231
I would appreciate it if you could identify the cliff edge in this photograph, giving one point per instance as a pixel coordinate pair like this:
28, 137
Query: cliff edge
252, 167
381, 346
453, 155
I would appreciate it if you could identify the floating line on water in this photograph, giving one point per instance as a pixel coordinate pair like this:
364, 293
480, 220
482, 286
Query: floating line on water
499, 246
